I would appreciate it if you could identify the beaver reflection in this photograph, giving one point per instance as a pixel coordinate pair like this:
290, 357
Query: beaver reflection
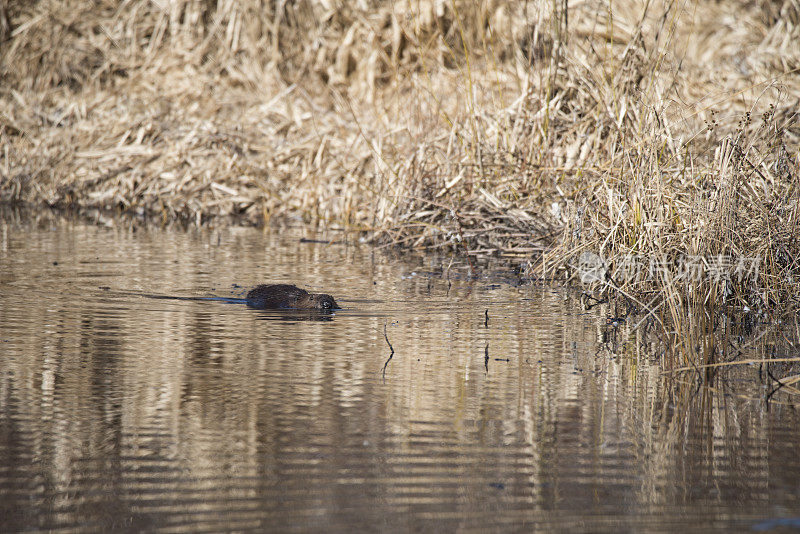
285, 296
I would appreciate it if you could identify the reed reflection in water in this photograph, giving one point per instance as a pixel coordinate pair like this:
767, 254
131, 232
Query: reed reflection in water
119, 411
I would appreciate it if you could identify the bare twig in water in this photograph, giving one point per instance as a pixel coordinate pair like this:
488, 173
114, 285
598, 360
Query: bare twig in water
774, 391
486, 358
486, 321
391, 354
387, 338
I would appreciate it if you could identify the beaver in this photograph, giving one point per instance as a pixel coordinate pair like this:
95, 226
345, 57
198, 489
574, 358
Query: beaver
285, 296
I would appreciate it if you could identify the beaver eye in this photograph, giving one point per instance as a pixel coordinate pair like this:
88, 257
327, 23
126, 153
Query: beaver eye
326, 305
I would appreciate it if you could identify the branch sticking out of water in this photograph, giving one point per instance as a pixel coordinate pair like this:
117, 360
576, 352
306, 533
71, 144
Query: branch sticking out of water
774, 391
391, 354
387, 340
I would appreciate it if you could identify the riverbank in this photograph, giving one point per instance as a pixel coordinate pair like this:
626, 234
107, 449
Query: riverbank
626, 148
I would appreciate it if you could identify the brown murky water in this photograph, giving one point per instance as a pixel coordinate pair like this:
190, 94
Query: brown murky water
121, 412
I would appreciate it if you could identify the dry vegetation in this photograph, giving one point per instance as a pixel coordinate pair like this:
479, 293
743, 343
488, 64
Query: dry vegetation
537, 130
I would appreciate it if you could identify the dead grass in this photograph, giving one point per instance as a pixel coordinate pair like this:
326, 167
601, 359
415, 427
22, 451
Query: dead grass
532, 130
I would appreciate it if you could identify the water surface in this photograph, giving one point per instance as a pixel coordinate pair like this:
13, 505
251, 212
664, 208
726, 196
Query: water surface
122, 412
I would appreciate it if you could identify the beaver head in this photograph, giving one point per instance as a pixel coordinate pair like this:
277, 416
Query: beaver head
317, 301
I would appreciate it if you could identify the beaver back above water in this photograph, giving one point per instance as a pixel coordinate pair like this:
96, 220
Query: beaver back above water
285, 296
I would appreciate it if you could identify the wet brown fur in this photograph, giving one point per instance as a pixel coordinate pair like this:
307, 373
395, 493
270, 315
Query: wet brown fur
285, 296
